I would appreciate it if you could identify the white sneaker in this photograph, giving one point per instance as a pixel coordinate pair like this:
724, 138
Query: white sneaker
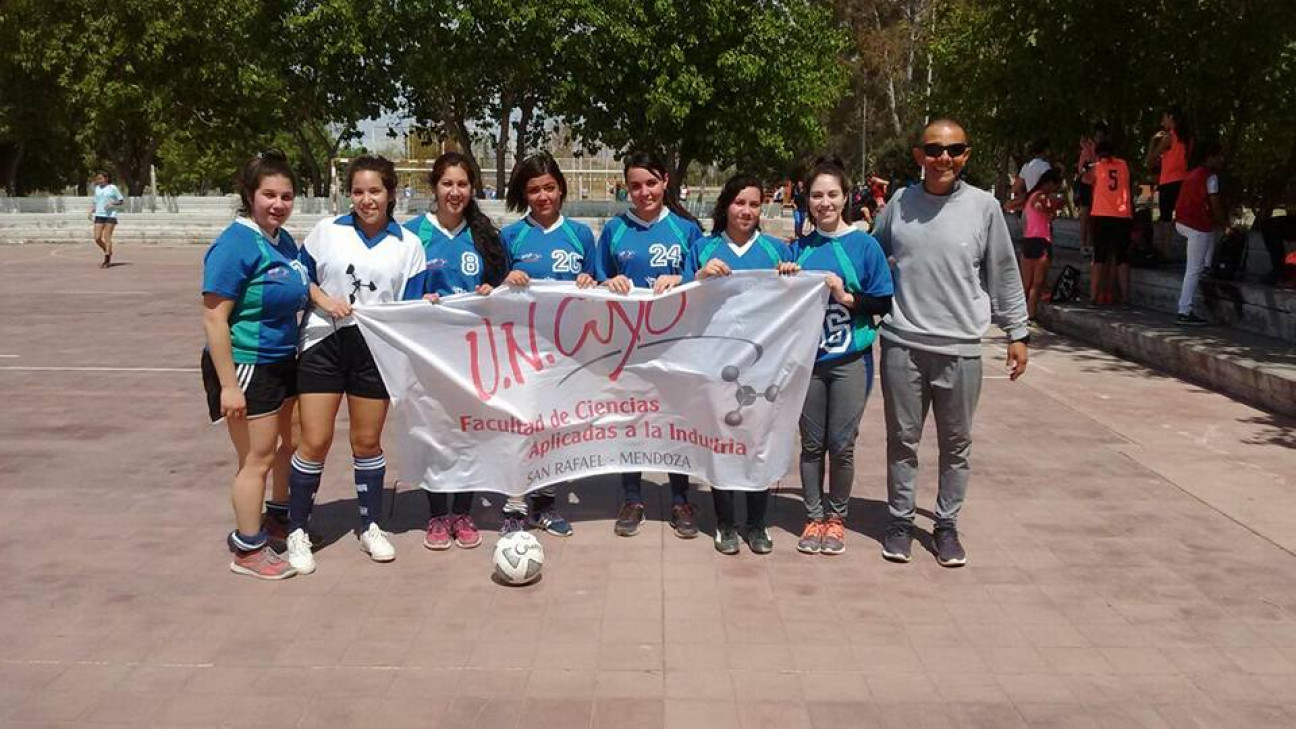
374, 542
299, 552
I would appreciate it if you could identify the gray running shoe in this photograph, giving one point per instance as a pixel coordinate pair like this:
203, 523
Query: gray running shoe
758, 539
949, 552
897, 543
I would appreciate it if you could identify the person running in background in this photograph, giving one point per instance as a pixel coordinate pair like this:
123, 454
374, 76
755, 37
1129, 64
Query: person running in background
363, 257
1112, 218
645, 247
943, 237
103, 212
544, 246
464, 253
1042, 206
798, 209
256, 282
1170, 149
736, 243
1199, 217
860, 284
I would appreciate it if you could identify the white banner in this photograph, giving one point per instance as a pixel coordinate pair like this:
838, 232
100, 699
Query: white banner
530, 387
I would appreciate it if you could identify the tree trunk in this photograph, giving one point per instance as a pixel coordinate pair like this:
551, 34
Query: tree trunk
524, 128
308, 158
681, 171
11, 168
502, 142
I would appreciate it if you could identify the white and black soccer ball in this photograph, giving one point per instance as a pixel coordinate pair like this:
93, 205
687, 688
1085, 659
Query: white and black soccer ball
518, 558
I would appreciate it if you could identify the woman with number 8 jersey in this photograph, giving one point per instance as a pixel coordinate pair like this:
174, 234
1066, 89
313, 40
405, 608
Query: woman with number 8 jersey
859, 280
464, 253
544, 245
645, 246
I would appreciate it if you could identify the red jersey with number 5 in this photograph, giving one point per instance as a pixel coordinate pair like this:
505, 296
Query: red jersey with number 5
1111, 189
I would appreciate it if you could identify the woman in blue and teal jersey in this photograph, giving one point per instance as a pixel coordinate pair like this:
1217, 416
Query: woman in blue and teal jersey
256, 282
464, 253
544, 245
859, 280
645, 246
736, 243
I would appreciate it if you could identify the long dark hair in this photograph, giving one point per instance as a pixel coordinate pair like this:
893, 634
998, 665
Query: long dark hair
486, 237
831, 166
385, 169
648, 161
537, 165
729, 193
269, 163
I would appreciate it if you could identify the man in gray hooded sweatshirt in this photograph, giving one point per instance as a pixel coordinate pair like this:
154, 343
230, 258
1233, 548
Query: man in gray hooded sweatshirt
944, 238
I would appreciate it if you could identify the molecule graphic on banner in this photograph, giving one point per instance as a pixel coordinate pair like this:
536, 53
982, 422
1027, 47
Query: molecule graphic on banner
745, 394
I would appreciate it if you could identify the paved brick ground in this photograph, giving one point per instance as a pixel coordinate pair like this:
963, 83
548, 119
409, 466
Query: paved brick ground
1130, 540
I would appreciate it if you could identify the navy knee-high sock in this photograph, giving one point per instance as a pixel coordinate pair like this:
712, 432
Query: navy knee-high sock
303, 483
370, 472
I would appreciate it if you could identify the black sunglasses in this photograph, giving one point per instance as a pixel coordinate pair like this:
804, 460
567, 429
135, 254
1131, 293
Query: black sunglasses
934, 150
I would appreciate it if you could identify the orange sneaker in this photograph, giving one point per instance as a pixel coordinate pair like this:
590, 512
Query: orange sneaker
811, 540
834, 536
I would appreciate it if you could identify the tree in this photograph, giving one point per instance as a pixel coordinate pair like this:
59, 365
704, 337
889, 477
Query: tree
1015, 71
724, 82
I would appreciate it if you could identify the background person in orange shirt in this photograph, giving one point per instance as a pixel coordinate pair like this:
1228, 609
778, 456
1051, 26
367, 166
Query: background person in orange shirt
1170, 149
1112, 217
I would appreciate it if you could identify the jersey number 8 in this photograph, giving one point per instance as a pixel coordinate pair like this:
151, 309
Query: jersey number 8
470, 264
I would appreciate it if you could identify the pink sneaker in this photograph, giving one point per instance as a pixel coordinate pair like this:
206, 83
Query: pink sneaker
465, 531
438, 533
263, 563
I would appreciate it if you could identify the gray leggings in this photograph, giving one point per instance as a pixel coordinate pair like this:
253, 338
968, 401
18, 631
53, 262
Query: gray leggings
830, 420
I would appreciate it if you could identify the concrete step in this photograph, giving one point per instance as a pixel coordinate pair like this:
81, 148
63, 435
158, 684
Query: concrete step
1249, 306
1254, 369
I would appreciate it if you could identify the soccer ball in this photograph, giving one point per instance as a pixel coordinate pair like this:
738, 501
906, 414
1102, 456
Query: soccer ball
518, 558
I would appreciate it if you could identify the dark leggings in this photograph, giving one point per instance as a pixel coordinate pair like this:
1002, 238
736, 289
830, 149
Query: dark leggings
632, 488
757, 504
459, 503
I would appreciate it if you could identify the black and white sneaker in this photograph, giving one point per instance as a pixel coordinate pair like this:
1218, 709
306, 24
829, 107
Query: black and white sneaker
726, 539
897, 542
949, 552
1190, 320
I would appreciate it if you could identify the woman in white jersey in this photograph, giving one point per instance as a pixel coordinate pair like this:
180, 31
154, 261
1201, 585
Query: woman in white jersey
363, 257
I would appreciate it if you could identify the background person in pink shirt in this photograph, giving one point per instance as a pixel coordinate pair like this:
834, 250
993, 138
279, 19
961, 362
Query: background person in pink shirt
1041, 207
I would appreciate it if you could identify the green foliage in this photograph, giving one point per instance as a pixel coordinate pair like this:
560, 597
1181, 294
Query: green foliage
1014, 71
720, 82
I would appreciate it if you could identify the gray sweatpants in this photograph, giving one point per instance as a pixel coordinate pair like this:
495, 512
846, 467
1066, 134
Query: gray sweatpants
914, 381
830, 420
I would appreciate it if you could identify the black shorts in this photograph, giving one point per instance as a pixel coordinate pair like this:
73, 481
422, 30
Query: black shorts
1111, 239
1083, 195
1167, 196
1033, 248
105, 220
341, 362
265, 386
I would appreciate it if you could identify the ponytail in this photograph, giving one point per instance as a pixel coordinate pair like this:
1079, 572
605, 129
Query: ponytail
486, 237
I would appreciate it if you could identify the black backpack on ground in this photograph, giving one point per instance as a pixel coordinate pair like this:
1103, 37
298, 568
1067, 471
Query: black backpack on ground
1230, 257
1065, 288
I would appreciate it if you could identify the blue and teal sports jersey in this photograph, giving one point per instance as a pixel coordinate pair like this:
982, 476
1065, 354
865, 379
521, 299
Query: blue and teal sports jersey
104, 197
858, 259
766, 252
643, 251
269, 283
453, 264
561, 253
